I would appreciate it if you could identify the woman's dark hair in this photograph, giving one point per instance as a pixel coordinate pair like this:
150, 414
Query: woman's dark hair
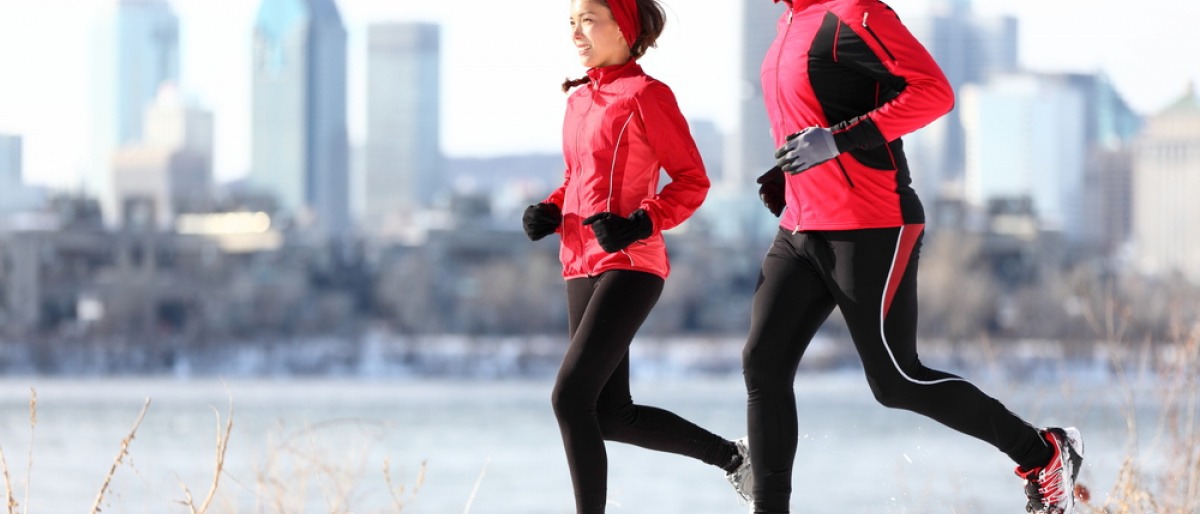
652, 18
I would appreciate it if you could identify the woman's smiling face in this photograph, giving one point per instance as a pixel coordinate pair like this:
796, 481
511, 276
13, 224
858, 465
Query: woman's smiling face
596, 35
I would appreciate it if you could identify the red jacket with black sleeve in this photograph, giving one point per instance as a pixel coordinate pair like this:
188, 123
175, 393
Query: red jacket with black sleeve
620, 130
852, 66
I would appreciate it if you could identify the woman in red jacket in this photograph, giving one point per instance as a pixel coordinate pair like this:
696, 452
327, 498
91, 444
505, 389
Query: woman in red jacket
621, 128
846, 80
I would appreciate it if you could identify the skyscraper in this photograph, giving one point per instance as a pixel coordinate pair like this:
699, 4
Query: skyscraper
751, 149
300, 150
969, 47
1166, 177
403, 155
1026, 139
10, 161
136, 50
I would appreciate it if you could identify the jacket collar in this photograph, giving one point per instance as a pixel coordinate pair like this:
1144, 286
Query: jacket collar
607, 74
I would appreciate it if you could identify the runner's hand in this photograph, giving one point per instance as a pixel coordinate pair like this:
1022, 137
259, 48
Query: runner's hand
771, 190
541, 220
614, 233
805, 149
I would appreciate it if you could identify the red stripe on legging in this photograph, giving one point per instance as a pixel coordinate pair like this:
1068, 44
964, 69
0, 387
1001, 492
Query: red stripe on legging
904, 248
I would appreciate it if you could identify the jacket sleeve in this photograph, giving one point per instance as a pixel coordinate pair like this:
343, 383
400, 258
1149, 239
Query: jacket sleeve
672, 143
882, 48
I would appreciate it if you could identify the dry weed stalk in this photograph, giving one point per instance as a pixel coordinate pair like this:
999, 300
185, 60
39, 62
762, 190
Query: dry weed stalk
11, 500
296, 461
120, 457
8, 492
475, 490
397, 493
221, 447
29, 455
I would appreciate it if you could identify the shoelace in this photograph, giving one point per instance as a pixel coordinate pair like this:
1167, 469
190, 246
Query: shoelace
738, 479
1045, 492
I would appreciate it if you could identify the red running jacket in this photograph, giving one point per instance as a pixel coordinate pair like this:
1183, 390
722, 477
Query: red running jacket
852, 66
619, 131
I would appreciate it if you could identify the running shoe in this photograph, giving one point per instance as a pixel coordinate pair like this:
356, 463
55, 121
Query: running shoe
742, 478
1051, 488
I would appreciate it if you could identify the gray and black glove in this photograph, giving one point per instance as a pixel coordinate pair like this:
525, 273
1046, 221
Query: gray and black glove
541, 220
805, 149
771, 189
614, 233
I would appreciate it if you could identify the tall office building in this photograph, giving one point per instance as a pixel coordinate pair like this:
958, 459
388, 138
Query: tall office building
1026, 140
300, 147
404, 160
10, 171
1059, 140
1166, 177
10, 161
135, 51
969, 47
751, 149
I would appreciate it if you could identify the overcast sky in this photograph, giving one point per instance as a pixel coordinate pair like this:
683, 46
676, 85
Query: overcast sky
503, 63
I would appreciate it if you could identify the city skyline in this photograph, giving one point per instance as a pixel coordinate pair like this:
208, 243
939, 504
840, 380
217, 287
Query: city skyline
500, 67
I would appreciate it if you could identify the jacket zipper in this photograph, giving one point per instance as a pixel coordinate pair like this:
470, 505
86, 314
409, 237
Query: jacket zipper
876, 37
845, 174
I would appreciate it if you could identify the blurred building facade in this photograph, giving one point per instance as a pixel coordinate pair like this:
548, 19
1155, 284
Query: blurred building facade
1166, 178
1055, 141
404, 162
135, 51
750, 150
10, 171
170, 171
969, 47
300, 146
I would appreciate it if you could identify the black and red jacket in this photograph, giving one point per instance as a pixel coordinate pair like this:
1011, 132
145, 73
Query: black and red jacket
851, 65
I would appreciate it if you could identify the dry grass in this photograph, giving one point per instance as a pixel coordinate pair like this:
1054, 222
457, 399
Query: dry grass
120, 457
1177, 489
281, 486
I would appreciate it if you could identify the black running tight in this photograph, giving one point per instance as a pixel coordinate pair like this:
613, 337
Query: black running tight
591, 395
871, 277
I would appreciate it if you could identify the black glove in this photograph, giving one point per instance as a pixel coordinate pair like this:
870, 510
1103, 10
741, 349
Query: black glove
541, 220
614, 233
771, 190
805, 149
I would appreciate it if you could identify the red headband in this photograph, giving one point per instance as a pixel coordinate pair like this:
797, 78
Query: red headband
626, 14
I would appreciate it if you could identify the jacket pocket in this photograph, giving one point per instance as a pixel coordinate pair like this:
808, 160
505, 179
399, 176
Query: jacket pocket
878, 158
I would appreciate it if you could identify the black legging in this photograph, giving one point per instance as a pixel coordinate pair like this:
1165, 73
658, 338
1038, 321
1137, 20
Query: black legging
591, 395
871, 277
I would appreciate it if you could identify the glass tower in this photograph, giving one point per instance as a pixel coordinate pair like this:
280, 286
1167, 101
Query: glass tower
136, 51
404, 159
300, 150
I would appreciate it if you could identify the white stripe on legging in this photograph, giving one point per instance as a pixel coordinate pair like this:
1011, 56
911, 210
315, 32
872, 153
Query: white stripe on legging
882, 316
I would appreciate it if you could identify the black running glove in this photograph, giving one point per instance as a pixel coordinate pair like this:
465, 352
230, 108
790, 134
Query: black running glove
771, 190
541, 220
614, 233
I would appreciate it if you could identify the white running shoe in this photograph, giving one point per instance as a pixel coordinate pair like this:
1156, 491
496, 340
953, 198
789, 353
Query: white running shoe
1051, 488
742, 478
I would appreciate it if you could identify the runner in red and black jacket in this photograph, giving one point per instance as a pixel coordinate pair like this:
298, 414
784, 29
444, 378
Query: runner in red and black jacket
843, 81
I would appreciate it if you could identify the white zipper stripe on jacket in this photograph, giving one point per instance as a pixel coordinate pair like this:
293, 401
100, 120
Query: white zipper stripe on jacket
612, 169
612, 172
